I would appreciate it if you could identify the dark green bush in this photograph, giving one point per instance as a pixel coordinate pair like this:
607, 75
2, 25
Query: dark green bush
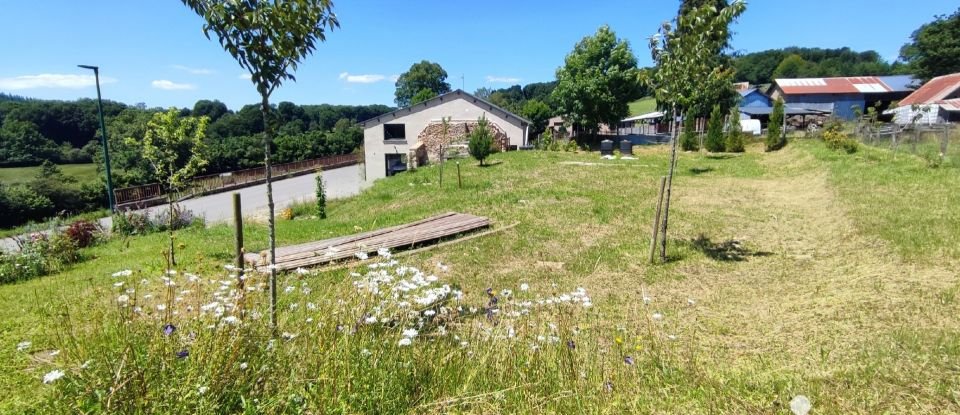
715, 142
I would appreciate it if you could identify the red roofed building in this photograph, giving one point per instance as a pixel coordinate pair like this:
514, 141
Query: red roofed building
936, 101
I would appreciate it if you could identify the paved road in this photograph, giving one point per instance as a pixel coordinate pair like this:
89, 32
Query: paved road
342, 182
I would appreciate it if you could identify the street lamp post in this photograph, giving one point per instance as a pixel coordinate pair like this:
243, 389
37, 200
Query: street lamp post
103, 135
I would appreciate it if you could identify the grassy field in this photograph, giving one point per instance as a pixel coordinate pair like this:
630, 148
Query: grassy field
14, 175
800, 272
643, 106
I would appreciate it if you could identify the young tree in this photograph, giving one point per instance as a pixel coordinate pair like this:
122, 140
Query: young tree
688, 139
321, 196
715, 142
686, 73
481, 140
776, 138
269, 39
598, 80
423, 75
174, 147
934, 48
734, 142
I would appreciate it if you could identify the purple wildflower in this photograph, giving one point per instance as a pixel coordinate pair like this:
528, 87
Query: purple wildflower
571, 345
168, 329
183, 354
628, 360
608, 386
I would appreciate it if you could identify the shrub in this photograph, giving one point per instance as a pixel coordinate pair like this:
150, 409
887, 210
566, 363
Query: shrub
131, 223
545, 141
481, 141
836, 139
734, 142
688, 139
775, 137
715, 142
82, 233
571, 145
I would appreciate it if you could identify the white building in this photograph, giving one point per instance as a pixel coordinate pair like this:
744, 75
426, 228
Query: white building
937, 101
411, 136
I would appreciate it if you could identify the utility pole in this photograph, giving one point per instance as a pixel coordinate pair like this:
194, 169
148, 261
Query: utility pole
103, 136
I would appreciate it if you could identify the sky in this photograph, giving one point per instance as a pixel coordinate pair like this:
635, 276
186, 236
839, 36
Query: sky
154, 52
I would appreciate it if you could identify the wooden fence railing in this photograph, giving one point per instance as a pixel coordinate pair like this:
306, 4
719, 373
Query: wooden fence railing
231, 180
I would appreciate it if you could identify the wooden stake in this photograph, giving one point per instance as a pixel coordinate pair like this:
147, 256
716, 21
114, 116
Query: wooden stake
238, 231
459, 181
656, 218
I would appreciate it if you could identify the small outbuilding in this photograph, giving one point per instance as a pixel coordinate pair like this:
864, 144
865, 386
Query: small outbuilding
411, 136
937, 101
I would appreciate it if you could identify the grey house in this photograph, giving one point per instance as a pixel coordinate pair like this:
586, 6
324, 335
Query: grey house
411, 136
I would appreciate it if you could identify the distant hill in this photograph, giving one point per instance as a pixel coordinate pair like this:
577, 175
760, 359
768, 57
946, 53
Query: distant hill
797, 62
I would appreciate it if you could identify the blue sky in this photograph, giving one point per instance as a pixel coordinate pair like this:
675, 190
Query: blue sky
154, 52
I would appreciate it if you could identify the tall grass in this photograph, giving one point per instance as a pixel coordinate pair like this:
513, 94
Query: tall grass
190, 344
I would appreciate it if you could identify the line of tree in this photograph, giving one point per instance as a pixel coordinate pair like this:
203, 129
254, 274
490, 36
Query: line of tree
32, 131
797, 62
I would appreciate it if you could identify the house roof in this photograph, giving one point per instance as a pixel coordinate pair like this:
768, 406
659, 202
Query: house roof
786, 110
440, 98
647, 116
935, 91
846, 85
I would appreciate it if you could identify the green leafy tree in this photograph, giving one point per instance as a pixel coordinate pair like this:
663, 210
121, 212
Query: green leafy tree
174, 146
21, 143
934, 48
689, 140
269, 39
483, 93
481, 140
421, 96
598, 80
423, 75
776, 138
538, 113
687, 73
734, 141
794, 66
715, 142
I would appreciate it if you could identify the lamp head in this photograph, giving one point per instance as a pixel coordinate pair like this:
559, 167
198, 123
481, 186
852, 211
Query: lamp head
88, 67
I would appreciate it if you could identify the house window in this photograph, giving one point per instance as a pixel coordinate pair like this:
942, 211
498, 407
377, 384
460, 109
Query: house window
394, 132
395, 163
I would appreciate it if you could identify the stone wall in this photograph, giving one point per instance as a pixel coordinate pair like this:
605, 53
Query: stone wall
457, 134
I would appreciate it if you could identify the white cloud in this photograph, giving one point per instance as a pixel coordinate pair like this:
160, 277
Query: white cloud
52, 80
361, 79
501, 79
195, 71
171, 86
244, 76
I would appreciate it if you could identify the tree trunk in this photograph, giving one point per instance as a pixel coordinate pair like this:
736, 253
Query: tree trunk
666, 205
271, 221
173, 259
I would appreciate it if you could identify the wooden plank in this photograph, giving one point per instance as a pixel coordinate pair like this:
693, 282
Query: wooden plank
346, 247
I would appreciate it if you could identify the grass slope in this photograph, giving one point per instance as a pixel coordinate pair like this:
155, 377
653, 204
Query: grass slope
643, 106
13, 175
797, 272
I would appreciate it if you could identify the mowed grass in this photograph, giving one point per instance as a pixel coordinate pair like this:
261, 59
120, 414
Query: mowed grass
643, 106
82, 172
798, 272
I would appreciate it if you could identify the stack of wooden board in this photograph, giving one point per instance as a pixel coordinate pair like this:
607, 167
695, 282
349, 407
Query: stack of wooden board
428, 230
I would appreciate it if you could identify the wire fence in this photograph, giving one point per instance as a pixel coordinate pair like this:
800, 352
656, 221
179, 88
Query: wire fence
938, 144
